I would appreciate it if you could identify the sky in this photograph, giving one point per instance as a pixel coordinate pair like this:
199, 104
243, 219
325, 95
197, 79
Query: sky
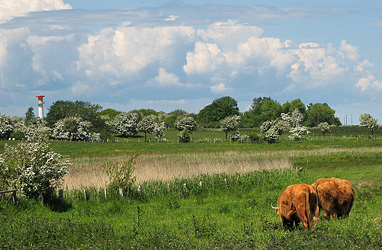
168, 55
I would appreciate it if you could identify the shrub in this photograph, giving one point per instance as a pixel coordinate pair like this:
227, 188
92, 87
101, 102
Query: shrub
271, 135
33, 168
255, 137
18, 135
72, 128
121, 173
324, 127
6, 126
298, 133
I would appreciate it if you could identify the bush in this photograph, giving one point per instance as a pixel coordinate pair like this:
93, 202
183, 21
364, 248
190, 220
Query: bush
255, 137
298, 133
18, 135
32, 168
121, 174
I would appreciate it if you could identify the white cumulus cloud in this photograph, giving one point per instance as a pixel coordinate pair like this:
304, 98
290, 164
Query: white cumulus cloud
220, 88
14, 8
125, 52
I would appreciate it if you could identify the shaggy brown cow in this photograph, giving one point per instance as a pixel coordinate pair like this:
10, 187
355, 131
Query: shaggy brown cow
297, 203
335, 197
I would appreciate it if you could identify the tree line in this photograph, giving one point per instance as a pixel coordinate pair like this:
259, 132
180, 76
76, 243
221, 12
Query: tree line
79, 120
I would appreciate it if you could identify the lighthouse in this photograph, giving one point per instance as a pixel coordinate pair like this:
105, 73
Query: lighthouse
40, 103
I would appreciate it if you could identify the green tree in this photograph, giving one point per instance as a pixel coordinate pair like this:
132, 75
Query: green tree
170, 118
320, 112
86, 110
147, 112
212, 114
262, 109
366, 120
108, 114
295, 104
29, 115
61, 109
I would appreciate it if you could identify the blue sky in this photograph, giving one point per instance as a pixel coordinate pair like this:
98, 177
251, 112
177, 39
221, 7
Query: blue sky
168, 55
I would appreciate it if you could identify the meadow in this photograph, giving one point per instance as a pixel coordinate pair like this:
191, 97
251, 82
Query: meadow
207, 194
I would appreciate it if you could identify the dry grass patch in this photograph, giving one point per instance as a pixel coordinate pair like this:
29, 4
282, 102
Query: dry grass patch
90, 172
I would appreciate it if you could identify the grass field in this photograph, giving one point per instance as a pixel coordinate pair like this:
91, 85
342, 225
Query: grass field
203, 195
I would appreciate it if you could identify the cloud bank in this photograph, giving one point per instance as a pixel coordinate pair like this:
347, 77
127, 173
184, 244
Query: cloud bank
164, 60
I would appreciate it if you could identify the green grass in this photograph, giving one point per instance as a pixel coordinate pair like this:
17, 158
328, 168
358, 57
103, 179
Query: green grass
224, 217
219, 215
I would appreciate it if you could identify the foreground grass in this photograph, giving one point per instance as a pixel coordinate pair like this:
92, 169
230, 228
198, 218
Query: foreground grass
225, 215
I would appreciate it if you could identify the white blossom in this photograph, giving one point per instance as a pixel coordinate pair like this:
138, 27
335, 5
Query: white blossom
33, 168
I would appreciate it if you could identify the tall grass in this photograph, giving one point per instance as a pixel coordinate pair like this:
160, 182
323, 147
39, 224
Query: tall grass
89, 172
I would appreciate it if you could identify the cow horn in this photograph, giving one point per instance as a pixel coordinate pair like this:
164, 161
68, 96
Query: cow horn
274, 207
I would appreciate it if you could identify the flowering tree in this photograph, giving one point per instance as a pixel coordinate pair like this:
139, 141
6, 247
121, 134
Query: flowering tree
324, 127
35, 130
32, 168
229, 124
72, 128
366, 120
125, 124
298, 133
159, 131
6, 126
186, 125
297, 118
147, 125
271, 135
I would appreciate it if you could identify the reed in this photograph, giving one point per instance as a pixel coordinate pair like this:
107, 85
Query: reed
89, 172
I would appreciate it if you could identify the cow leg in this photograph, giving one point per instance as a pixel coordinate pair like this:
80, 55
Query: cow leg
297, 223
287, 224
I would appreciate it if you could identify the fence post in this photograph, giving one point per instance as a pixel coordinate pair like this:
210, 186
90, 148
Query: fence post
105, 191
201, 184
121, 192
139, 189
85, 195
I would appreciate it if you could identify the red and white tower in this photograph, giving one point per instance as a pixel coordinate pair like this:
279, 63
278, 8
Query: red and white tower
40, 103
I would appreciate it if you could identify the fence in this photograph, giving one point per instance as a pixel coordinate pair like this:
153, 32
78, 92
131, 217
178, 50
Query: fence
13, 196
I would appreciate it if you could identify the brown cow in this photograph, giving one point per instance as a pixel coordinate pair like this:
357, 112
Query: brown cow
297, 203
335, 197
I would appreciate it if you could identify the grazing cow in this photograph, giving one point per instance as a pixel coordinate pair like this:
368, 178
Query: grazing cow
335, 197
297, 203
